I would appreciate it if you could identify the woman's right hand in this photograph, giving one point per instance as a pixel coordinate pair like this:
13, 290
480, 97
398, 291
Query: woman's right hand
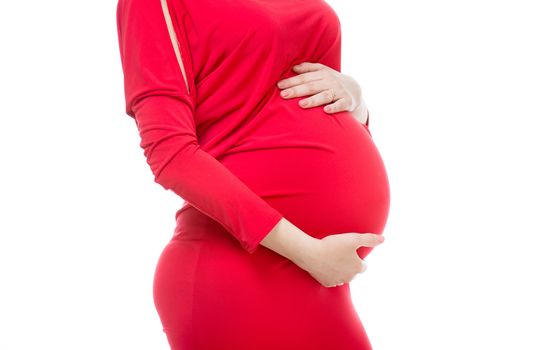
331, 260
334, 260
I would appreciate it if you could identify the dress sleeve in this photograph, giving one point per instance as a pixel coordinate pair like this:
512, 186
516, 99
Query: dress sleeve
162, 104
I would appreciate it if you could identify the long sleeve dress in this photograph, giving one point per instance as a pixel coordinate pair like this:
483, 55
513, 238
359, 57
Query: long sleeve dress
216, 132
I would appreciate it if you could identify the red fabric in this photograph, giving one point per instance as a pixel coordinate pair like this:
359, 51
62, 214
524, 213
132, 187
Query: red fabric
242, 157
156, 96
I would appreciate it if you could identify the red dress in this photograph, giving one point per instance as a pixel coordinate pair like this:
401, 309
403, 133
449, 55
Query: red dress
242, 157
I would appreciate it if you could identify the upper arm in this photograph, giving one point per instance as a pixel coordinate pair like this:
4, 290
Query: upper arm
153, 60
159, 98
174, 40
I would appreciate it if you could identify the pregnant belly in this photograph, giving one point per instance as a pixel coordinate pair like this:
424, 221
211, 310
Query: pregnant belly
325, 175
322, 172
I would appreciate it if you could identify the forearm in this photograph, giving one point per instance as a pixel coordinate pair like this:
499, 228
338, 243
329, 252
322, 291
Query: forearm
291, 242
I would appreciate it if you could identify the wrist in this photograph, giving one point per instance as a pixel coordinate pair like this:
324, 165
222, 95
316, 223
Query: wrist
361, 111
291, 242
306, 252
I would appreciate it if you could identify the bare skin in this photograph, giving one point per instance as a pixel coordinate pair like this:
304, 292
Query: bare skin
332, 260
325, 86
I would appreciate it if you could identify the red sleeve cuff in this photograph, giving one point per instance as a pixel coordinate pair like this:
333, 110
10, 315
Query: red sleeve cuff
253, 241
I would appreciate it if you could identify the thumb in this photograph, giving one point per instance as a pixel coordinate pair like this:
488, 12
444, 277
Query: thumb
369, 239
364, 266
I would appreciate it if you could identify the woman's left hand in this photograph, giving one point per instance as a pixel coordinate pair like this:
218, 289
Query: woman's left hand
328, 86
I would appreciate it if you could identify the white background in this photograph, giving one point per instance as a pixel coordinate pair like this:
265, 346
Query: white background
452, 91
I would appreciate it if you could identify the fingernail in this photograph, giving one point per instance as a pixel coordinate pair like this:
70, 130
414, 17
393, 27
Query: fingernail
380, 238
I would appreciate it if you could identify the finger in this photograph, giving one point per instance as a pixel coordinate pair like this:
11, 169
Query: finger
339, 105
299, 79
318, 99
369, 239
307, 89
308, 67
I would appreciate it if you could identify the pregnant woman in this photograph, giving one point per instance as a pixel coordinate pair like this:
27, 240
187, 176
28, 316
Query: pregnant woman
282, 202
